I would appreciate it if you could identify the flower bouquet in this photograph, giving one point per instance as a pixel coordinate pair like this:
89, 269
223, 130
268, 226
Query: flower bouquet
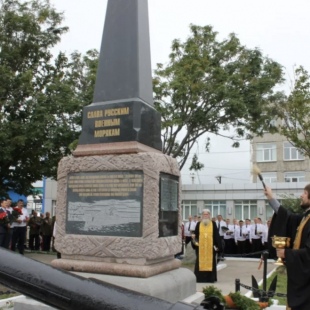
16, 213
4, 219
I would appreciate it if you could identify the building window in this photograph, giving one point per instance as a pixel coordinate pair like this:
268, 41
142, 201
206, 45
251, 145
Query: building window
54, 203
216, 207
269, 125
269, 210
294, 176
245, 209
291, 153
266, 152
189, 207
269, 177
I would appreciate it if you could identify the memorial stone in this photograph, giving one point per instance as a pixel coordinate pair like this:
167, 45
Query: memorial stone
122, 111
118, 199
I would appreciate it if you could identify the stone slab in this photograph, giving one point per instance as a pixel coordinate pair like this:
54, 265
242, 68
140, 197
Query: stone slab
171, 286
112, 148
116, 269
121, 122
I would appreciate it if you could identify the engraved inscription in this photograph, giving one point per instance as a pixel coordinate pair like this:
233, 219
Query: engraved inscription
168, 208
105, 203
106, 118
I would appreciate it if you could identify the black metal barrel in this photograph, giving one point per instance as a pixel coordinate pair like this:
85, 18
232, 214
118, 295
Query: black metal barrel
64, 290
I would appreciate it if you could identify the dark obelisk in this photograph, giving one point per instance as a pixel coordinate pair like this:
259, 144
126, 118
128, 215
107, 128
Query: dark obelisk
122, 111
118, 196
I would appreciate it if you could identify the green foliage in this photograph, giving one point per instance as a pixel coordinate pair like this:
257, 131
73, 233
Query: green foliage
243, 302
281, 283
196, 165
211, 85
8, 295
208, 85
294, 112
213, 291
41, 97
291, 202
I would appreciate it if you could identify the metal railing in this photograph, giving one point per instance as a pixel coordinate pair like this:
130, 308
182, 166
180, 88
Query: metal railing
262, 294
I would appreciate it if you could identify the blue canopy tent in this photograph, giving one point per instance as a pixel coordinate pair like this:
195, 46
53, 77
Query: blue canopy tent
15, 197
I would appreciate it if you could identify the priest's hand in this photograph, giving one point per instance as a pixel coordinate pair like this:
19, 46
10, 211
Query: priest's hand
281, 253
268, 193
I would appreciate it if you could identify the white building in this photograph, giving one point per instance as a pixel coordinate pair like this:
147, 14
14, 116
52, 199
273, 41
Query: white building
279, 160
50, 196
237, 200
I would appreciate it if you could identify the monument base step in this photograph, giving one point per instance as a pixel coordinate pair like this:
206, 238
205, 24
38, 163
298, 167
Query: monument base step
172, 286
126, 270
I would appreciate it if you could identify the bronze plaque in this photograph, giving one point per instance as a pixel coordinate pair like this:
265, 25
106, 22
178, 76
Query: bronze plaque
106, 203
168, 208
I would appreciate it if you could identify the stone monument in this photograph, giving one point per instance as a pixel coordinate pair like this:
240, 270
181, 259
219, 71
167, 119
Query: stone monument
118, 199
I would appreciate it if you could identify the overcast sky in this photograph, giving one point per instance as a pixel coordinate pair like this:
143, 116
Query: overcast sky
280, 29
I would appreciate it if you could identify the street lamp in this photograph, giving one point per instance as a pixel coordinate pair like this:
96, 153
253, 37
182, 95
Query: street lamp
219, 178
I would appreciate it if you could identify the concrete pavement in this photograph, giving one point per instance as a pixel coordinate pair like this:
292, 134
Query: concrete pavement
239, 268
230, 270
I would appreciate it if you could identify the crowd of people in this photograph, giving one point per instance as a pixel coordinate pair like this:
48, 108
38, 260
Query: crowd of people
17, 228
244, 237
223, 238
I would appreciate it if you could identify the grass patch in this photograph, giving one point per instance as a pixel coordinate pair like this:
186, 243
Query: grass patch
188, 264
281, 284
4, 296
281, 281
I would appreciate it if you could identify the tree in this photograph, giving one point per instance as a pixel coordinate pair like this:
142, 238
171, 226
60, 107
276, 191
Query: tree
211, 85
41, 96
291, 203
294, 112
207, 86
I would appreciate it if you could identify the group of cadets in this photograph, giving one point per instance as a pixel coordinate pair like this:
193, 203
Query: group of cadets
246, 237
239, 237
13, 231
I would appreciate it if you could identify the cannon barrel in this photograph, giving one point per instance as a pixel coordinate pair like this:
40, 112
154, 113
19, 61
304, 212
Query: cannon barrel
64, 290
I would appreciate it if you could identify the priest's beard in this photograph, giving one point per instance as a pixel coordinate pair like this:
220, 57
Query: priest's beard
305, 206
206, 222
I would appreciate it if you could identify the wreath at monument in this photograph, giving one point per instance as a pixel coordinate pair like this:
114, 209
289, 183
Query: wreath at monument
234, 300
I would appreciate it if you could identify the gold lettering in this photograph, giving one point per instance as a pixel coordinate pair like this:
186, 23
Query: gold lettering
107, 122
107, 133
94, 114
116, 112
